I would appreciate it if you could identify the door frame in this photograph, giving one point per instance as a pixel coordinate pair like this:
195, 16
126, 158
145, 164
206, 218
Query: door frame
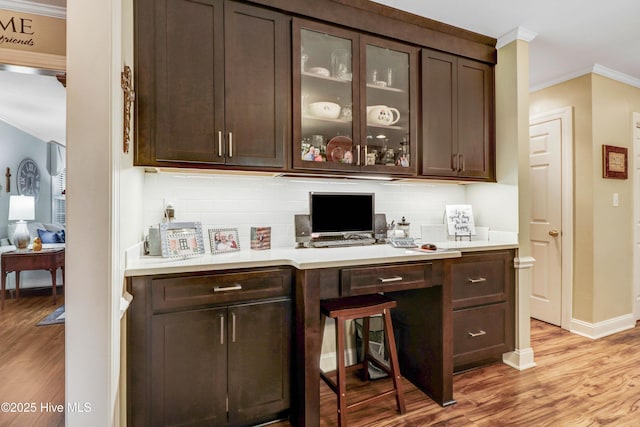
565, 115
635, 165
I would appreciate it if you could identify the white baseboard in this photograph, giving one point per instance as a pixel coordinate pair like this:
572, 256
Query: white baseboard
519, 359
604, 328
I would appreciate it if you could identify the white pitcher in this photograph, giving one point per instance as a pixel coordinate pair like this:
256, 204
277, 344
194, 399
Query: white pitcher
382, 115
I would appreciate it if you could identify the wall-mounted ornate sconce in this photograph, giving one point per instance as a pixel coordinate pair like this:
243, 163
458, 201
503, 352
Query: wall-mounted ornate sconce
129, 97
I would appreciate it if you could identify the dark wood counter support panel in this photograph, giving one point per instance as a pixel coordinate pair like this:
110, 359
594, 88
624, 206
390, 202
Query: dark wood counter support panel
210, 348
423, 318
483, 303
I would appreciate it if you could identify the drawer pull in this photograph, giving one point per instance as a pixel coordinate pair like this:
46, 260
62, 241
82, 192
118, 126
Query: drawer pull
233, 327
236, 287
478, 280
477, 334
390, 279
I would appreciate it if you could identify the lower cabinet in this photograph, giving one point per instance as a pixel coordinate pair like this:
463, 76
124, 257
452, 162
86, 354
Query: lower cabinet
218, 365
483, 308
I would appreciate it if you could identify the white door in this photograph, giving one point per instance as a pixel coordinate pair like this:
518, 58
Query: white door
545, 172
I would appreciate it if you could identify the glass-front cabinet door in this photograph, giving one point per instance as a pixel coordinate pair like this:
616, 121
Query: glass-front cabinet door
388, 109
354, 103
326, 131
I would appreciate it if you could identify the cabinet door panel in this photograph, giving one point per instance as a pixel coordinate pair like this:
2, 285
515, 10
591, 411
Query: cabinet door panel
257, 88
259, 355
188, 360
188, 100
475, 115
439, 113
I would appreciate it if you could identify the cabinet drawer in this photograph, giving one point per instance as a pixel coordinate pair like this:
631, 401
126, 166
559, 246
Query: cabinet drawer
481, 334
480, 279
369, 280
193, 291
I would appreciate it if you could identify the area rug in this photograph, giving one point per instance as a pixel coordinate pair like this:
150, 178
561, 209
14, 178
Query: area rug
54, 318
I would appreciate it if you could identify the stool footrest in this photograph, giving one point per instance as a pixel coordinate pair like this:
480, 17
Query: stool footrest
372, 399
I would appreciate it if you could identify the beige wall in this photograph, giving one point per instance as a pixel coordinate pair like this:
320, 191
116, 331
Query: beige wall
602, 283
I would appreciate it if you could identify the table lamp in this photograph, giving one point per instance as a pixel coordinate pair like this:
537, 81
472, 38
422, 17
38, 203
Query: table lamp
21, 209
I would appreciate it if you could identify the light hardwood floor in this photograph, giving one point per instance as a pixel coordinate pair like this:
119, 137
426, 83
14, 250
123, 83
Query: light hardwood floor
577, 382
31, 362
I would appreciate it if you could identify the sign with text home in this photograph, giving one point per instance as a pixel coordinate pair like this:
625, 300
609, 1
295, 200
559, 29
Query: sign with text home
32, 33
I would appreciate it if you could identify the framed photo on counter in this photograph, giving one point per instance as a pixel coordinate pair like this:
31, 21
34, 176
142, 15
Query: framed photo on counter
181, 239
224, 240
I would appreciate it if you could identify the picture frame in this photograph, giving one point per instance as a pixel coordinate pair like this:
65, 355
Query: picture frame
260, 238
223, 240
615, 161
181, 239
459, 219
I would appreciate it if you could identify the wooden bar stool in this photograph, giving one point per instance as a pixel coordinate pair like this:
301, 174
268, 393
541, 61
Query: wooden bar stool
349, 308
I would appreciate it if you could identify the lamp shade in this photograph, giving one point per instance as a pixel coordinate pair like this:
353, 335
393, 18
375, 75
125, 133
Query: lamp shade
22, 208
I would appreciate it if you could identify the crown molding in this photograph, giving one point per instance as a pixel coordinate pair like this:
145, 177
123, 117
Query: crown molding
595, 69
518, 33
34, 8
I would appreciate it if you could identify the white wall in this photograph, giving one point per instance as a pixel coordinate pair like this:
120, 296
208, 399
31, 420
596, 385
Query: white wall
244, 201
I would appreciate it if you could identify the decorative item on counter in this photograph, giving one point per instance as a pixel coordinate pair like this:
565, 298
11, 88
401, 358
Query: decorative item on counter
37, 244
260, 238
460, 221
224, 240
181, 239
404, 227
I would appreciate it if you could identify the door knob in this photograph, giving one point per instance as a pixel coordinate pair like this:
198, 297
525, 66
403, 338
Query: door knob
554, 233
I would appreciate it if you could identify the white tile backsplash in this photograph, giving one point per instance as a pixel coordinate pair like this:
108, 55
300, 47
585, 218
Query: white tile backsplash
229, 200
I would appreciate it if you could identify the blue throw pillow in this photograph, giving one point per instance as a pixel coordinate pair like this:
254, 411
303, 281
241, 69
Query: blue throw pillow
51, 237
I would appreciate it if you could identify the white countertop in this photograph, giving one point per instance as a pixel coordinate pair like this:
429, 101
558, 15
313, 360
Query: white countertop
302, 259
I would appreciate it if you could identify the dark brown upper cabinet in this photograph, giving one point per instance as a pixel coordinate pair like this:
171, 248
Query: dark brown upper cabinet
354, 105
213, 84
457, 117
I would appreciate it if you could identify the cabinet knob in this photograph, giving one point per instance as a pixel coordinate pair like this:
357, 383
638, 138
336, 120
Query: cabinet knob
554, 233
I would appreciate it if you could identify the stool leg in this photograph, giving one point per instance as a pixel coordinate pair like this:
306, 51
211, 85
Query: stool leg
341, 371
393, 359
365, 348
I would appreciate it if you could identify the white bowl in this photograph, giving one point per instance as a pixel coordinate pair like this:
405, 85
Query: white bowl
324, 110
320, 71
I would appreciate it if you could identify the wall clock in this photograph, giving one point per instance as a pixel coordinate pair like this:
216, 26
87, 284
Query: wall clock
28, 179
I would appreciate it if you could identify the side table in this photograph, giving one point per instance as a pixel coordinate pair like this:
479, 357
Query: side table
46, 259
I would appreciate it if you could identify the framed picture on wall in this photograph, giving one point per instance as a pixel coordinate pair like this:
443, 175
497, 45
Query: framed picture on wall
614, 162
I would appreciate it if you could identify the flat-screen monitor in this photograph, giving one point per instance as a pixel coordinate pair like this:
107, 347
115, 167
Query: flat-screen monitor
341, 213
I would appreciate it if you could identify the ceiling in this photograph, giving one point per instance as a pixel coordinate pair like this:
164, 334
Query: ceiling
572, 38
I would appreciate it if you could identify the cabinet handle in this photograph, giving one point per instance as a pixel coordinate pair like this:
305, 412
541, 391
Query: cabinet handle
478, 280
235, 287
461, 162
390, 279
358, 150
230, 144
477, 334
221, 330
219, 143
233, 327
454, 162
